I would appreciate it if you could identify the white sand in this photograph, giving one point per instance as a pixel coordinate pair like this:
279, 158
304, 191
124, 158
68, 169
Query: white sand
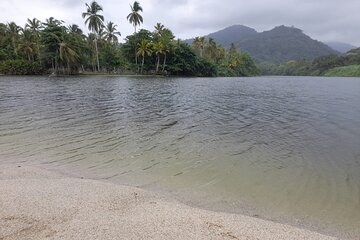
38, 204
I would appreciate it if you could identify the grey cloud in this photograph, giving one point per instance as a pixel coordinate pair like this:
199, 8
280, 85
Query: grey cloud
326, 20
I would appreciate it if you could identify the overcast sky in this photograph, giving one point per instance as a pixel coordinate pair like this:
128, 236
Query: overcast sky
324, 20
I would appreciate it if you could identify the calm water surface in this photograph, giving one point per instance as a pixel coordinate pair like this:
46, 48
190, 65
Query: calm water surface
286, 149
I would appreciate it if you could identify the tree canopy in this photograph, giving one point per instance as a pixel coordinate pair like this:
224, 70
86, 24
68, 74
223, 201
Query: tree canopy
54, 47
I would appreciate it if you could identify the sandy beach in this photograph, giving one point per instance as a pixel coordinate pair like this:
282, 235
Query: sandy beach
40, 204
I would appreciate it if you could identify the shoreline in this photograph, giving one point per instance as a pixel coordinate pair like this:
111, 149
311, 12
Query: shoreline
40, 204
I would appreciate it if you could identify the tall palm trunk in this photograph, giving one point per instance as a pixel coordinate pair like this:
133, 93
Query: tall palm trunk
14, 46
157, 63
97, 54
164, 64
136, 57
142, 65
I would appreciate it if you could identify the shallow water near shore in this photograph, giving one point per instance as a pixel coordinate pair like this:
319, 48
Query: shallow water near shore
280, 148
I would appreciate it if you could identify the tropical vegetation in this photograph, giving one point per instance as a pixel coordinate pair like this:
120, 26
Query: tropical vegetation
52, 47
333, 65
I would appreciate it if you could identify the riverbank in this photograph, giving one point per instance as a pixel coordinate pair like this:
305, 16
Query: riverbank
40, 204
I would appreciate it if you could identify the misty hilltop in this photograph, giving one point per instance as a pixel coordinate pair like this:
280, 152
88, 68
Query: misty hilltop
340, 46
281, 44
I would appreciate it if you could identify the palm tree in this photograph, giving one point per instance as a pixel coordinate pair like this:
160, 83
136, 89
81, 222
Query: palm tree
211, 49
95, 22
110, 33
135, 19
33, 24
90, 38
12, 30
232, 50
2, 29
166, 39
28, 44
159, 29
158, 48
200, 43
52, 22
65, 50
144, 49
75, 29
67, 54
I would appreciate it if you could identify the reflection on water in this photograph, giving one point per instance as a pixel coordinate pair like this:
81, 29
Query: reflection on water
287, 147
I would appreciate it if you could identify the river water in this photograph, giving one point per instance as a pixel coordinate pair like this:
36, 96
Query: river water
279, 148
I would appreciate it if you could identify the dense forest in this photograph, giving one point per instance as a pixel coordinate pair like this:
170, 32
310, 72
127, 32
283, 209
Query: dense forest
278, 45
52, 47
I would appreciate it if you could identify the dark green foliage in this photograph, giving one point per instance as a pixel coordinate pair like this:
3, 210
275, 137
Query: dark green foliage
21, 67
204, 68
322, 64
346, 71
53, 47
112, 59
318, 67
183, 61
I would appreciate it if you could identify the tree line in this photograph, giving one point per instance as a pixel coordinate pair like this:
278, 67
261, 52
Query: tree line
331, 65
54, 47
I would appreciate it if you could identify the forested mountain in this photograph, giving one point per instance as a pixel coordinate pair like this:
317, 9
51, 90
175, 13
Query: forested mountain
278, 45
340, 46
283, 44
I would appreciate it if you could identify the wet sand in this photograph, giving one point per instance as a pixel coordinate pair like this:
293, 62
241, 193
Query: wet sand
40, 204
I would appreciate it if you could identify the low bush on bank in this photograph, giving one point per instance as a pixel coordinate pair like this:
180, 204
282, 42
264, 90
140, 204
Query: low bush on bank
21, 67
347, 71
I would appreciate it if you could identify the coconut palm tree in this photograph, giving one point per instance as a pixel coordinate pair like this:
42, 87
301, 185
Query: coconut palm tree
13, 30
2, 29
110, 33
158, 48
73, 28
159, 29
199, 43
34, 25
135, 19
65, 50
67, 54
95, 22
167, 39
211, 49
144, 49
52, 22
29, 44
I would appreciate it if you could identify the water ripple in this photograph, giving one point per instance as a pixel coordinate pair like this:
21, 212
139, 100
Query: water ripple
290, 145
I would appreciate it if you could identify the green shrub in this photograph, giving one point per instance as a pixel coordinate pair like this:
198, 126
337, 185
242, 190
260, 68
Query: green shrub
21, 67
346, 71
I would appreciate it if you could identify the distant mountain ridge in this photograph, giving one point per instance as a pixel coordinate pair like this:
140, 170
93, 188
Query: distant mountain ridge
340, 46
226, 36
279, 45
